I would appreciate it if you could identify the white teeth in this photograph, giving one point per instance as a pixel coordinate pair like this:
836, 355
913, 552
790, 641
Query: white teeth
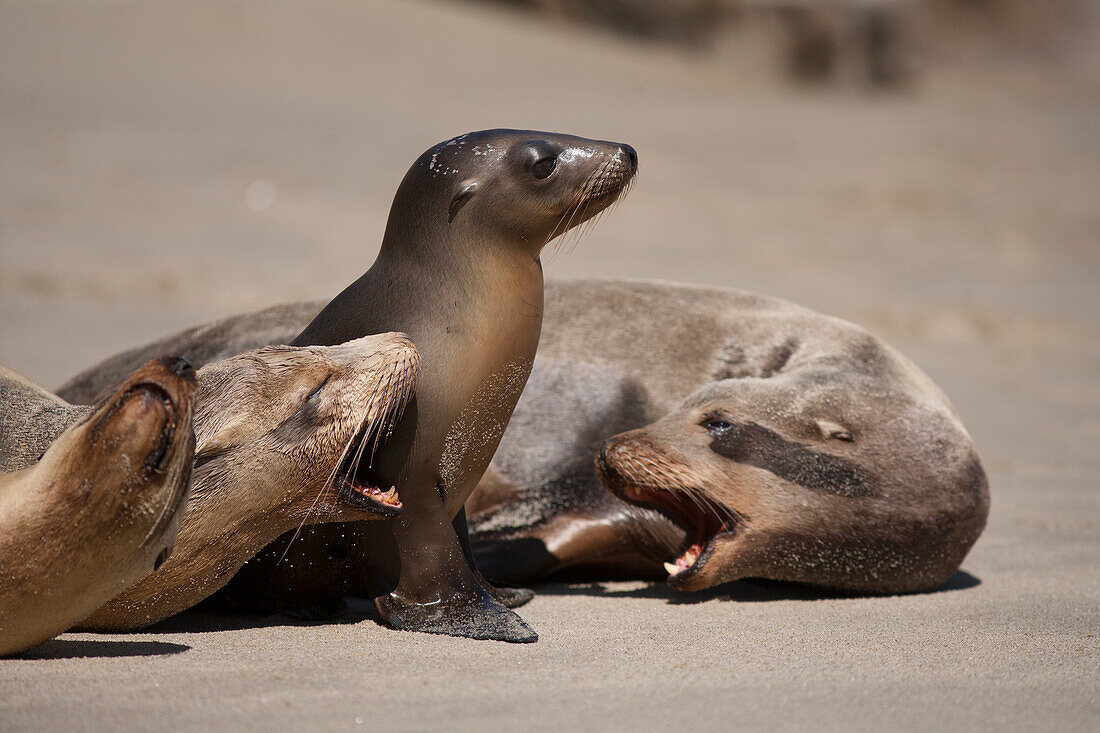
685, 561
389, 494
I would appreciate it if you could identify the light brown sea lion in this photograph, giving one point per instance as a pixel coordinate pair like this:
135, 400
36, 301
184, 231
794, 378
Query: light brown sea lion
285, 437
781, 444
100, 509
281, 431
458, 271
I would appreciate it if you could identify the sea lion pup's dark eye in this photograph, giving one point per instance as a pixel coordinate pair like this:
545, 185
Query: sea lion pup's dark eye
716, 425
543, 167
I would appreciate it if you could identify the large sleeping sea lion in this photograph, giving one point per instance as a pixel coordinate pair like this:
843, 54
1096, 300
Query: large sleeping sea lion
459, 271
99, 508
780, 444
802, 389
285, 437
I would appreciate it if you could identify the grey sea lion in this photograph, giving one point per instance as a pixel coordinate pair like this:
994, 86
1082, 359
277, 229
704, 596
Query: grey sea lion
458, 271
101, 506
619, 355
757, 439
285, 437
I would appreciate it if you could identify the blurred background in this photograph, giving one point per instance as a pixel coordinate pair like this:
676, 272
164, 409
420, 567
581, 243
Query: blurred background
929, 169
924, 167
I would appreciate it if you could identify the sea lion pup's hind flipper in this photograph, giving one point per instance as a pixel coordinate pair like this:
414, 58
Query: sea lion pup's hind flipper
464, 607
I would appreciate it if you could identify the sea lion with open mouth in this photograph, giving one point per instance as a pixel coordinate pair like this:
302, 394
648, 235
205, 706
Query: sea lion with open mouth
819, 412
757, 439
458, 271
285, 436
101, 506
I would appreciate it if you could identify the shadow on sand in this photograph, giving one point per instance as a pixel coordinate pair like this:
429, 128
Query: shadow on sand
203, 620
100, 648
743, 591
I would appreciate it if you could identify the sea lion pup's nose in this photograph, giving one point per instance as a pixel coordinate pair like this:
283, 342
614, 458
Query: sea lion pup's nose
179, 366
631, 155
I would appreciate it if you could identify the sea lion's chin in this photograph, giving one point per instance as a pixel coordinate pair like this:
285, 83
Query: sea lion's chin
706, 523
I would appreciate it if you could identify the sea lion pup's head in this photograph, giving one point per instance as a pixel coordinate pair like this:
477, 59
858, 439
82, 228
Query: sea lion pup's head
808, 476
290, 431
516, 186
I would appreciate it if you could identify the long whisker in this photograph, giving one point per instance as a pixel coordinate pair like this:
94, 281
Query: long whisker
387, 404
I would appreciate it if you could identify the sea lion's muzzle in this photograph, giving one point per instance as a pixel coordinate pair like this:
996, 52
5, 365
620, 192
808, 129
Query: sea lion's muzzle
632, 468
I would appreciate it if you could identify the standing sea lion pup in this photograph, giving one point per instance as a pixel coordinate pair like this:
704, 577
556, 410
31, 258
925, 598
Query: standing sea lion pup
459, 271
100, 509
781, 444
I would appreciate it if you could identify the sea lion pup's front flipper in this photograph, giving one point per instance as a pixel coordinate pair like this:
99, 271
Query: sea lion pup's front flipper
511, 596
465, 607
100, 509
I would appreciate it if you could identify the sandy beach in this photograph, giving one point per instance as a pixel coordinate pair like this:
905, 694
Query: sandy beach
162, 164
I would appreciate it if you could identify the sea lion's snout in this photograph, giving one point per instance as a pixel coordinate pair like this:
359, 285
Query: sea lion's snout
641, 470
145, 414
631, 155
179, 366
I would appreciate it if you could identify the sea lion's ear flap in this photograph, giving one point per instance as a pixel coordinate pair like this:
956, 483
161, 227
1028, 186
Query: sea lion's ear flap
833, 431
464, 194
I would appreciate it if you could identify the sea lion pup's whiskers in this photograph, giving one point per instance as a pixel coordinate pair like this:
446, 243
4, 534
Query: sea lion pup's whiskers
590, 191
388, 402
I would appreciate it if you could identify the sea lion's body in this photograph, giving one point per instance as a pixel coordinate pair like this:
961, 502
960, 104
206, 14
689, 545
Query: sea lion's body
459, 272
100, 508
835, 461
619, 355
273, 426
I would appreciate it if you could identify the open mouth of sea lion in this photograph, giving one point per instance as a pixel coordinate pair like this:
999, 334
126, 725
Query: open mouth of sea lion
703, 521
355, 479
